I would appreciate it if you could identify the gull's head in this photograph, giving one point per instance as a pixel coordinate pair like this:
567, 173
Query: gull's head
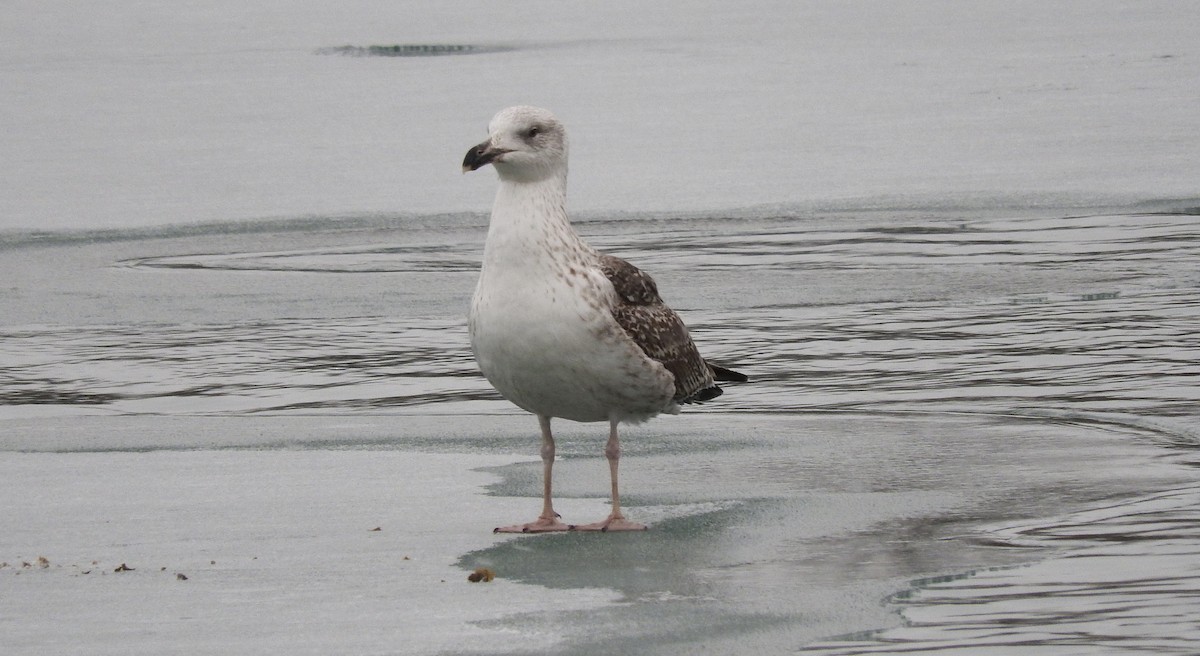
525, 144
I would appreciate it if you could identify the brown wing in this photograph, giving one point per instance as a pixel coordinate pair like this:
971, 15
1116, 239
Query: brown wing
658, 330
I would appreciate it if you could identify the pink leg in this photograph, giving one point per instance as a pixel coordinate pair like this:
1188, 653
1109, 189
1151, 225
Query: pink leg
615, 521
548, 520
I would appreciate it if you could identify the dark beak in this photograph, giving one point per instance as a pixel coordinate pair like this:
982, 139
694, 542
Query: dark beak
480, 156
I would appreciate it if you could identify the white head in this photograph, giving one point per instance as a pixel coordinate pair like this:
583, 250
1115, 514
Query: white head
525, 144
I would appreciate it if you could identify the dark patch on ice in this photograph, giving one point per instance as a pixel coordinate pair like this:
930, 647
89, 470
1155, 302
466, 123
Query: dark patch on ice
412, 50
664, 560
676, 562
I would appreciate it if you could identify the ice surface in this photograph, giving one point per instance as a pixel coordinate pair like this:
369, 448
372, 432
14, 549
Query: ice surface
1127, 584
278, 549
767, 531
888, 214
917, 381
142, 114
1003, 369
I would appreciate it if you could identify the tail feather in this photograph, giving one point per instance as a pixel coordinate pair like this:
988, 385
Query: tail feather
720, 374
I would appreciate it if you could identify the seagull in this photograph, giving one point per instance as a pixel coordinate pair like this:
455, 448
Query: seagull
562, 330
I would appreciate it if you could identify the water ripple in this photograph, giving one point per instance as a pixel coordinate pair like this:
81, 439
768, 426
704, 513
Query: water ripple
1088, 314
1128, 583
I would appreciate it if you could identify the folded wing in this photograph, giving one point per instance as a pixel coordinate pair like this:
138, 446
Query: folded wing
660, 333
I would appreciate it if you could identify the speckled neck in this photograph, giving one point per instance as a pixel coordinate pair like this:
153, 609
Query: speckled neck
529, 224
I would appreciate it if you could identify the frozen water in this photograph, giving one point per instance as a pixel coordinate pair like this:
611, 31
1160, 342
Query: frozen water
224, 395
277, 554
1127, 584
940, 237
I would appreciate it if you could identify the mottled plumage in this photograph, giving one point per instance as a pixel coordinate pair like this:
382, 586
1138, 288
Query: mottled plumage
659, 332
560, 329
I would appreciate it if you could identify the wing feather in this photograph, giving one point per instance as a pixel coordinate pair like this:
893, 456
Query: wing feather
658, 331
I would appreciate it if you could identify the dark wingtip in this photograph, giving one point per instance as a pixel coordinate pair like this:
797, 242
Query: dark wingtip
706, 394
727, 375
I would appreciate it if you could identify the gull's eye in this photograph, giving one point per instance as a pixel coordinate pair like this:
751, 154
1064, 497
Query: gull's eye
533, 132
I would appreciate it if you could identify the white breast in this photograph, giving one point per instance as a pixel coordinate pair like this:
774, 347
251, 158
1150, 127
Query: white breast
543, 336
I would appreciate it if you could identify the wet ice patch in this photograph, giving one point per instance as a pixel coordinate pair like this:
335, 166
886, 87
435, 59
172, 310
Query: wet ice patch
1127, 582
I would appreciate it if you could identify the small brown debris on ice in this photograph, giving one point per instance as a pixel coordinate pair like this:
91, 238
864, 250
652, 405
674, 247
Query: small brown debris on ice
481, 574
